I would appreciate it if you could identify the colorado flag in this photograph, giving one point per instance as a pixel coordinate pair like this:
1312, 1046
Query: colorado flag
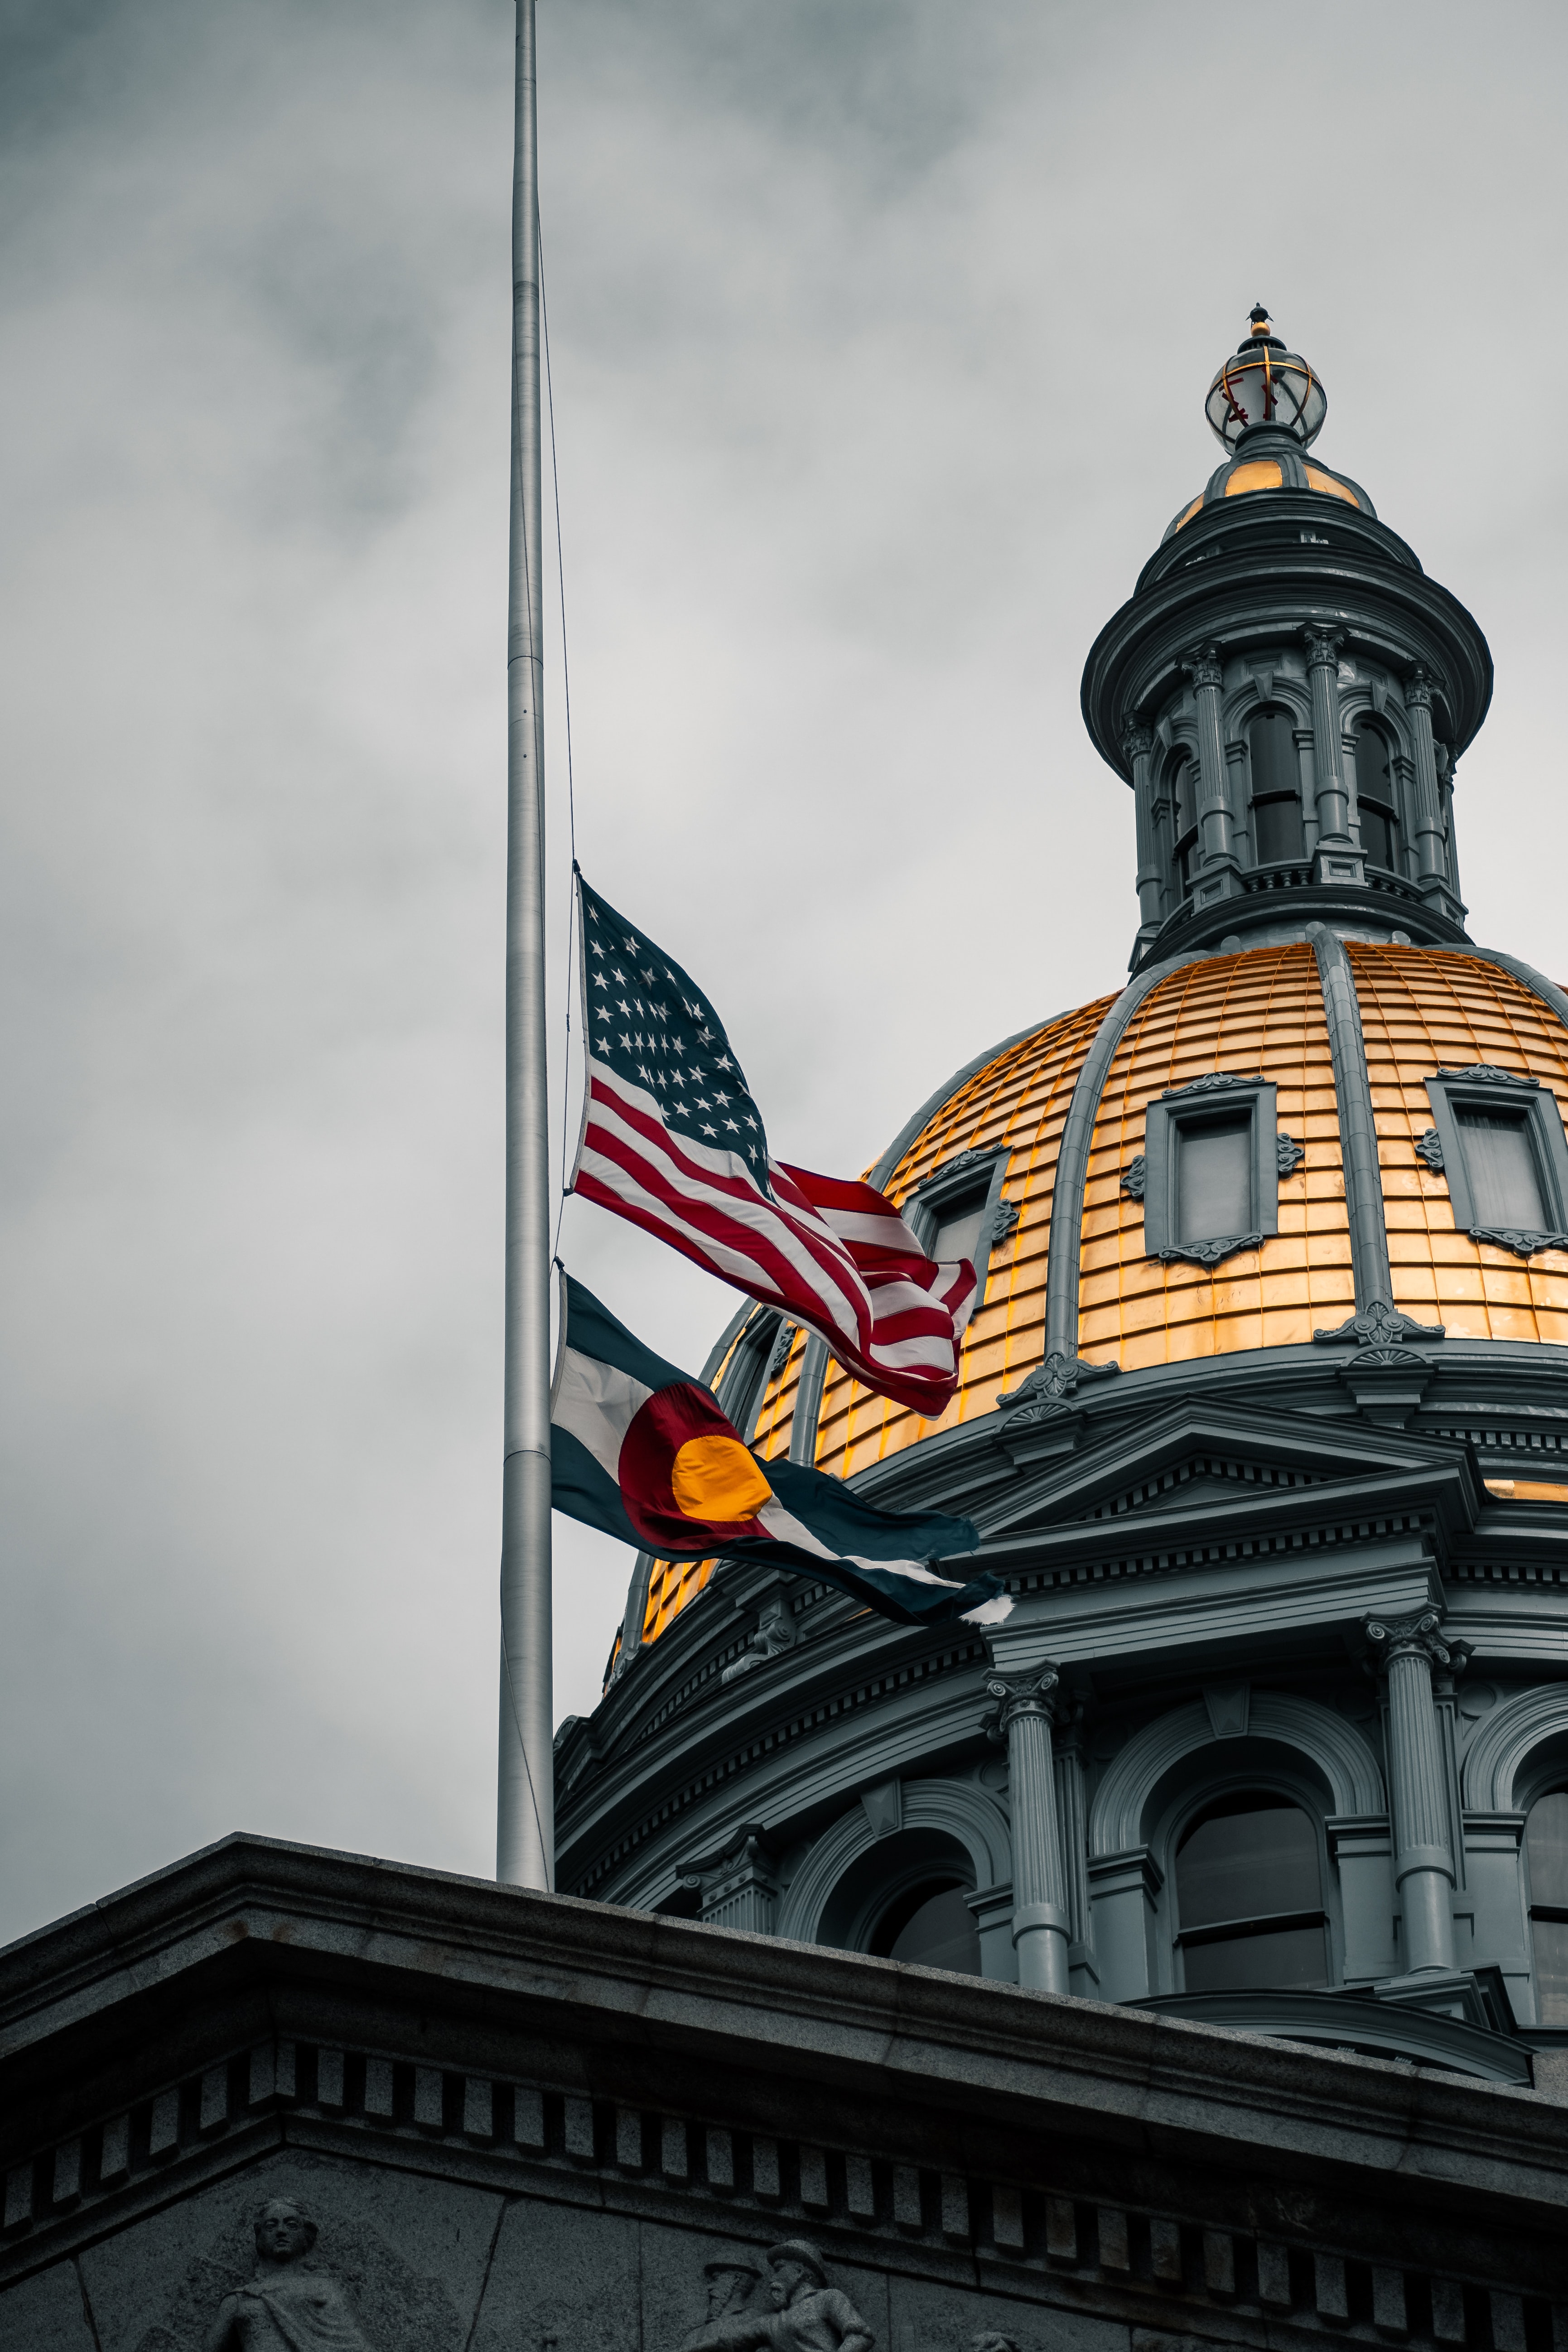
642, 1451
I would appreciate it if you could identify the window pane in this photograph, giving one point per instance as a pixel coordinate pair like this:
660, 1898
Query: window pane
1505, 1185
1278, 829
1371, 778
1284, 1957
1213, 1179
1258, 1856
1270, 740
958, 1229
1546, 1842
1179, 777
1379, 834
1375, 797
941, 1935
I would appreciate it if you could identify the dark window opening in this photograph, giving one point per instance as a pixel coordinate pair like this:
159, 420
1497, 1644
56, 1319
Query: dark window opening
1546, 1850
1376, 797
1249, 1897
1499, 1159
1182, 784
1214, 1179
1276, 788
932, 1925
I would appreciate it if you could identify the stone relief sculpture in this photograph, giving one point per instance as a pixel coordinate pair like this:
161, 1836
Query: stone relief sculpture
797, 2311
286, 2306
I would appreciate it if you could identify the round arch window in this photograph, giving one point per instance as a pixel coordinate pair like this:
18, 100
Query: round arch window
931, 1924
1249, 1896
1276, 787
1546, 1849
1376, 796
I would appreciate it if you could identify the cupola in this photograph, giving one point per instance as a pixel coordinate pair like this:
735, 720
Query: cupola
1288, 694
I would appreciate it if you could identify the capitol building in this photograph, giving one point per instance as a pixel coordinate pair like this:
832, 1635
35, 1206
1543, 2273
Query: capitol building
1180, 1965
1262, 1413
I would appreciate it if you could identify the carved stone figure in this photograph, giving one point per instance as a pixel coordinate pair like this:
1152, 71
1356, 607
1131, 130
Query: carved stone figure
811, 2316
801, 2314
731, 2282
286, 2306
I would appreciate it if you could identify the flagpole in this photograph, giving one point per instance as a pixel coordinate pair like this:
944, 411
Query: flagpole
525, 1805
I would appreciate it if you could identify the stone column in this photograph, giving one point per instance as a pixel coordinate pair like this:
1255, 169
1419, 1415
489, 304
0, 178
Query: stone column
1431, 861
1408, 1648
1328, 771
1072, 1828
1137, 745
1042, 1924
1216, 815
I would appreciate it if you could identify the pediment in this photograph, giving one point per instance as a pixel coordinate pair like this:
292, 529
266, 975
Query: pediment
1213, 1459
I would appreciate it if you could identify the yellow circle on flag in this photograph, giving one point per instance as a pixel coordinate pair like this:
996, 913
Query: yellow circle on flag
716, 1478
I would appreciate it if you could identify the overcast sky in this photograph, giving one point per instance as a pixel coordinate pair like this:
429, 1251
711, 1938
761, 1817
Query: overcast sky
881, 338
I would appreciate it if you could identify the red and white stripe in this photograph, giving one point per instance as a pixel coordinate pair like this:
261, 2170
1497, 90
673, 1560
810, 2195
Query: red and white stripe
833, 1253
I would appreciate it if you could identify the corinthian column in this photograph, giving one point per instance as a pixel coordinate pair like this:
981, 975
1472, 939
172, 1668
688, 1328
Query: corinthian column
1216, 816
1042, 1923
1137, 744
1328, 771
1408, 1648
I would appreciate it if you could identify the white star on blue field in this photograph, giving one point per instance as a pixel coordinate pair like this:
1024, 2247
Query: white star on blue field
648, 1020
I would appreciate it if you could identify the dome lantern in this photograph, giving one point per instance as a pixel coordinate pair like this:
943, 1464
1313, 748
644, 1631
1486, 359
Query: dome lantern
1264, 386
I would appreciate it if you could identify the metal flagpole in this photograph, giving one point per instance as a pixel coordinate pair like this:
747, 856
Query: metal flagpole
525, 1805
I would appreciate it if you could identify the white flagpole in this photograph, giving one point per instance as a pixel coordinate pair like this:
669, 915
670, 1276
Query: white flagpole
525, 1796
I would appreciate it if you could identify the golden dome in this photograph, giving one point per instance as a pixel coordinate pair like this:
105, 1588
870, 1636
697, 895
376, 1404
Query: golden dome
1283, 469
1257, 1013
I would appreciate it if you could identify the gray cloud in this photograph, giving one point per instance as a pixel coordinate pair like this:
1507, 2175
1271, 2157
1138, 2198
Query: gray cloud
879, 336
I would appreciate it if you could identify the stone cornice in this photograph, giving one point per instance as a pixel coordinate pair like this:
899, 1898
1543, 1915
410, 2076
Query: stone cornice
469, 1969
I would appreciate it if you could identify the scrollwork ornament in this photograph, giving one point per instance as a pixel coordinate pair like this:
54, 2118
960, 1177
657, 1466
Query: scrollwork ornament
1019, 1695
1048, 1388
1135, 1178
1287, 1153
1416, 1637
1429, 1148
1522, 1244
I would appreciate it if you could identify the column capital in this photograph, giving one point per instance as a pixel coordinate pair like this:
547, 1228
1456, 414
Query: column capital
1016, 1695
1137, 743
1323, 648
1416, 1637
742, 1865
1418, 689
1204, 667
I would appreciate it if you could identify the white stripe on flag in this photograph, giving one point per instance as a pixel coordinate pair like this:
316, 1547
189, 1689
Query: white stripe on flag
596, 1403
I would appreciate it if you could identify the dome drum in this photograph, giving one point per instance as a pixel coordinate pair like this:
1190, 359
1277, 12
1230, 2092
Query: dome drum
1262, 1414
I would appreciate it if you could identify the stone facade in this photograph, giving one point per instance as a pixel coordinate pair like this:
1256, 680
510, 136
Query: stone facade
462, 2118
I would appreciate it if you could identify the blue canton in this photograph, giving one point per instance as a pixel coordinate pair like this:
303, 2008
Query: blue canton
652, 1024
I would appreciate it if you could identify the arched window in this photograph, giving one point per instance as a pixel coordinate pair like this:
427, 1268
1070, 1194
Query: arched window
1249, 1896
1376, 796
1546, 1850
1276, 787
1182, 791
933, 1926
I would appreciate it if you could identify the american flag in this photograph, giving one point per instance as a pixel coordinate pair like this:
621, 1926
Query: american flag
673, 1140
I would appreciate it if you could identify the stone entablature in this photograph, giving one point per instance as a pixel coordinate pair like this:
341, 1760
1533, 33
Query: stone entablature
509, 2118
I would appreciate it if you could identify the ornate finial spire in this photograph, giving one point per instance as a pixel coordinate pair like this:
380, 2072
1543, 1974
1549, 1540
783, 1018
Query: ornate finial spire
1264, 386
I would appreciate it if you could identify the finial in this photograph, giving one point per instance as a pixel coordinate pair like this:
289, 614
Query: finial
1264, 385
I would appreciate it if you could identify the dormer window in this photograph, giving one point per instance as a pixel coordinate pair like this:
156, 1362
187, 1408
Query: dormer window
1209, 1172
1276, 788
1377, 797
1499, 1139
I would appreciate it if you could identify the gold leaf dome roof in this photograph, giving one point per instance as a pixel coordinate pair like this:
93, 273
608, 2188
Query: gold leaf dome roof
1256, 1013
